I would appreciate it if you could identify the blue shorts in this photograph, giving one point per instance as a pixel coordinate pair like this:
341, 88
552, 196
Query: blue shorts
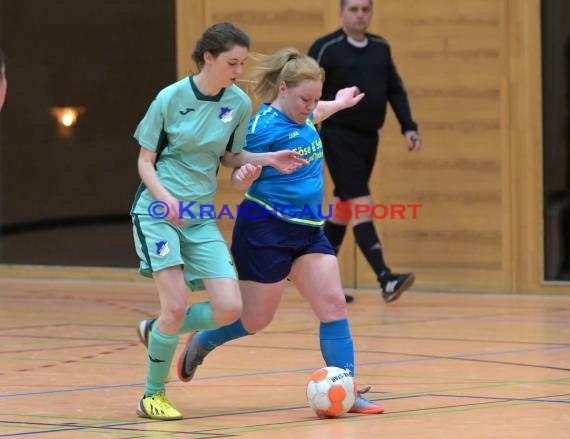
265, 247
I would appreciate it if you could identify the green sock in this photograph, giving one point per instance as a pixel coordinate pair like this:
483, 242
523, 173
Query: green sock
161, 350
198, 318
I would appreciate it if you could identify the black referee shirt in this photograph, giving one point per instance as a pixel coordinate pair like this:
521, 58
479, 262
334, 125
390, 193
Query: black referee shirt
372, 70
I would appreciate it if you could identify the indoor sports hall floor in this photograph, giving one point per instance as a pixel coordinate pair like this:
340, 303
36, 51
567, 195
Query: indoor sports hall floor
444, 365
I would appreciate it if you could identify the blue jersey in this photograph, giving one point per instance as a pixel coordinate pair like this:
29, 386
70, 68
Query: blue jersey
295, 197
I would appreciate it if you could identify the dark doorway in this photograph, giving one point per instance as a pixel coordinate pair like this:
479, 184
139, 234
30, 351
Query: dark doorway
556, 123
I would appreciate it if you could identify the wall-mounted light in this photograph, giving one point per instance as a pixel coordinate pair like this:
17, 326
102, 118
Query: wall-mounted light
67, 116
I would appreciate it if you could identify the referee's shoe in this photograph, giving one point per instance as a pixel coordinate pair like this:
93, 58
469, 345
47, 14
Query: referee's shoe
393, 285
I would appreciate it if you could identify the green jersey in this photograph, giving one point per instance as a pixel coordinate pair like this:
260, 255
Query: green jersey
190, 132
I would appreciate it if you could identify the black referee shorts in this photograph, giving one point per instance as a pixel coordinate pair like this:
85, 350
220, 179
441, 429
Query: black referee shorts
350, 157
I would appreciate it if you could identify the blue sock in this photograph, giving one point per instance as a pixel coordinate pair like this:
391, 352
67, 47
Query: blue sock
216, 337
336, 344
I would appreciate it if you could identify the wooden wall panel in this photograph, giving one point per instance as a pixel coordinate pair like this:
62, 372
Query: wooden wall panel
271, 25
190, 23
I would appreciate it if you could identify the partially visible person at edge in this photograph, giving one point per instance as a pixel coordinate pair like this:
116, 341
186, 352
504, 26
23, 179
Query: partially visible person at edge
270, 247
3, 80
352, 56
190, 128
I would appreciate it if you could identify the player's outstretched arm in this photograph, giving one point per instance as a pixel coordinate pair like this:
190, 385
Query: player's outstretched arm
286, 161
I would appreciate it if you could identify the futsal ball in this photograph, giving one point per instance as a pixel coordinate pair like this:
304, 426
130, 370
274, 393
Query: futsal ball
331, 391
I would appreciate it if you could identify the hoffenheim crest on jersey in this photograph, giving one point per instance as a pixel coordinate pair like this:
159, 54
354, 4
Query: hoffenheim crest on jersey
162, 248
226, 114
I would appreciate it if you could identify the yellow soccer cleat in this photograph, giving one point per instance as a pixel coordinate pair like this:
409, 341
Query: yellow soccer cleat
158, 406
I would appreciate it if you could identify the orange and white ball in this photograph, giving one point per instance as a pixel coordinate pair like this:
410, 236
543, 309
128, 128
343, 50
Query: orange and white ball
331, 391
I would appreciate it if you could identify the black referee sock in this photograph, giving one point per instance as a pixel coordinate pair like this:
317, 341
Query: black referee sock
335, 234
369, 243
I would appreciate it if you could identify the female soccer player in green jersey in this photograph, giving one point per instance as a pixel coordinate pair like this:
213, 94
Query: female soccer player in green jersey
190, 128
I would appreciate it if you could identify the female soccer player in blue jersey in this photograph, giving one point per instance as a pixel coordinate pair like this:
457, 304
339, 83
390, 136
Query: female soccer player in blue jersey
272, 244
190, 128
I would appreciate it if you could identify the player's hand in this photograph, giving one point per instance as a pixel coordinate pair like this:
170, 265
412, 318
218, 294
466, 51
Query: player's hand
287, 161
349, 96
173, 211
246, 174
413, 140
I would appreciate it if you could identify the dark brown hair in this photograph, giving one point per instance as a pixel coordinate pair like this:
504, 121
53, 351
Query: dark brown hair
217, 39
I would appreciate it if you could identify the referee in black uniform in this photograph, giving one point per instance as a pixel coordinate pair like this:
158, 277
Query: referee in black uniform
352, 56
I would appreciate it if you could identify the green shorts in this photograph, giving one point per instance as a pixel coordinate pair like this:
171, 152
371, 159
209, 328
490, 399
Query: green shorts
198, 247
